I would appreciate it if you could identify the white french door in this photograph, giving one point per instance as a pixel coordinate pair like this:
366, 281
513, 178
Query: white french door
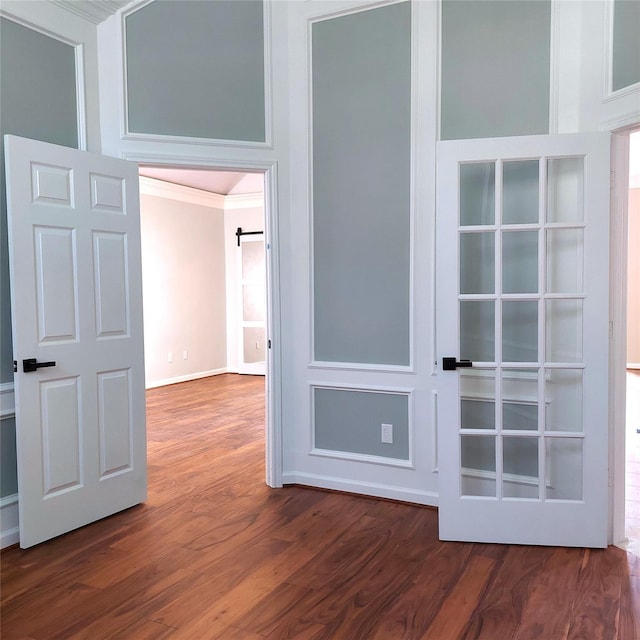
76, 291
522, 238
252, 301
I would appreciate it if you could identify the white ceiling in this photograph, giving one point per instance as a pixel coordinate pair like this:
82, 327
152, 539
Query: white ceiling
222, 182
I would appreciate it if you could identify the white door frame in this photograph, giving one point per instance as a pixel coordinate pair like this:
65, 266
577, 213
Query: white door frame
273, 378
618, 337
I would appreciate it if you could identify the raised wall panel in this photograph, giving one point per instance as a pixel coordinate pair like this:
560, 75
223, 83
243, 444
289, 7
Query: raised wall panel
51, 185
8, 462
197, 69
349, 420
107, 193
56, 284
38, 89
114, 422
625, 55
495, 70
61, 440
111, 288
361, 85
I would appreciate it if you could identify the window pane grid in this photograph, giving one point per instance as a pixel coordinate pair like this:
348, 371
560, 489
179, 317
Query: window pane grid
515, 440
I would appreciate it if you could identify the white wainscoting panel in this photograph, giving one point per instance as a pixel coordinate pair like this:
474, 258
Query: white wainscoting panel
7, 401
9, 527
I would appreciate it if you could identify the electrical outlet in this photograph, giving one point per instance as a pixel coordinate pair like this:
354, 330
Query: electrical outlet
257, 344
185, 355
387, 434
170, 356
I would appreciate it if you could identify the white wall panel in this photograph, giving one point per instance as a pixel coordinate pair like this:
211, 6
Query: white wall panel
111, 284
56, 269
107, 194
114, 422
61, 455
51, 185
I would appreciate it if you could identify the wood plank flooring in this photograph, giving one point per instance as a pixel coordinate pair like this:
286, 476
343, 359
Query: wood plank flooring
215, 554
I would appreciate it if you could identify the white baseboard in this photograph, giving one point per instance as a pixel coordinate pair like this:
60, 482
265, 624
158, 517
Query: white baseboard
7, 401
633, 365
428, 498
9, 523
186, 378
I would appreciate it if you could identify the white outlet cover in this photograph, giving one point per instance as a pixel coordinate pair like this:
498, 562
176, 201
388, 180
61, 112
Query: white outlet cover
387, 433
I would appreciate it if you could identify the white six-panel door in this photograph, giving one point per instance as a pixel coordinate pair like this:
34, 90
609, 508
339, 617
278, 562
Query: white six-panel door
523, 264
76, 297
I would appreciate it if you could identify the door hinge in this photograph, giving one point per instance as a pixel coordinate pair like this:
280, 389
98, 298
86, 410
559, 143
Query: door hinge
268, 344
15, 366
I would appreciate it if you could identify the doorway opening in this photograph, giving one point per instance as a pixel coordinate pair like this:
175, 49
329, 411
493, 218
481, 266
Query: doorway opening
632, 430
205, 276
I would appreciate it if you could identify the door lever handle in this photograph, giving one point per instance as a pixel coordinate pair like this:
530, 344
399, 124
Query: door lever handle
31, 364
451, 364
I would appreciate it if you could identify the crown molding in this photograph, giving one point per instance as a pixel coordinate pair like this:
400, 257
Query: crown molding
243, 201
162, 189
172, 191
95, 11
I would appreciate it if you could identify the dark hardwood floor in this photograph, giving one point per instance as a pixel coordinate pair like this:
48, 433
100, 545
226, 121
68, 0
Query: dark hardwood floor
214, 553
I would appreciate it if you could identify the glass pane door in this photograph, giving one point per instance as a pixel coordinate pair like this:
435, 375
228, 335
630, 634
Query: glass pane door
527, 248
252, 306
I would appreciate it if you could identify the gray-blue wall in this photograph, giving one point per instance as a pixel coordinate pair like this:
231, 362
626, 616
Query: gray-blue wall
8, 461
626, 44
495, 68
350, 420
361, 81
38, 94
196, 69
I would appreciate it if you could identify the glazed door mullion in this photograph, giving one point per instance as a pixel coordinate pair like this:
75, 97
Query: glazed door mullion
523, 434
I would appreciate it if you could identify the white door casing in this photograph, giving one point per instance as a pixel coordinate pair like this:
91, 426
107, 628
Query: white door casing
76, 292
523, 267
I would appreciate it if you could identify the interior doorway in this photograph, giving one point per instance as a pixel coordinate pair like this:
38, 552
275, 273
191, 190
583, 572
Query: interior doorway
632, 431
198, 286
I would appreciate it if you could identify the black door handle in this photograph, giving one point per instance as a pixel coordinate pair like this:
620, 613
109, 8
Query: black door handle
31, 364
451, 364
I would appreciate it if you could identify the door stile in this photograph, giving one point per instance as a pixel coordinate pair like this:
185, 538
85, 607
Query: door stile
548, 310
